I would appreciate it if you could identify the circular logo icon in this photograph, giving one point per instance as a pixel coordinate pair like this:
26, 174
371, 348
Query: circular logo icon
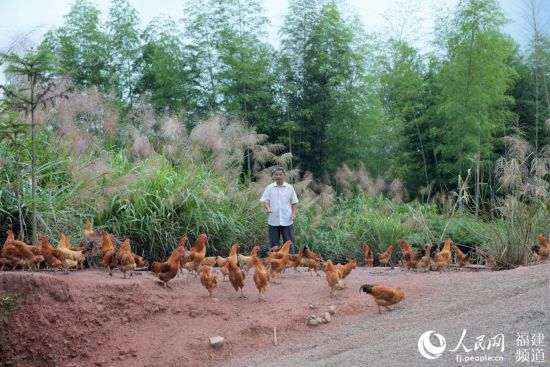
427, 349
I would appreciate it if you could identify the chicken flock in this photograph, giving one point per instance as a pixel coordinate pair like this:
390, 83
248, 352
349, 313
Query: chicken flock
236, 267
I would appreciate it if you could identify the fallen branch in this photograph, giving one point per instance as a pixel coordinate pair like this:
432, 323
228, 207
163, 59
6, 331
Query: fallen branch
470, 266
55, 270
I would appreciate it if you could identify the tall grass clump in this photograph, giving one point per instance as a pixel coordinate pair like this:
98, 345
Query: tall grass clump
523, 208
337, 222
147, 179
57, 196
169, 201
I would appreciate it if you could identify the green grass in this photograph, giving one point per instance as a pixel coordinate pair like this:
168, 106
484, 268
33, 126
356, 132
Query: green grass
154, 201
511, 237
8, 301
168, 202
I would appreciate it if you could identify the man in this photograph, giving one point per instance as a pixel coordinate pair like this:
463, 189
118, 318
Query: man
279, 199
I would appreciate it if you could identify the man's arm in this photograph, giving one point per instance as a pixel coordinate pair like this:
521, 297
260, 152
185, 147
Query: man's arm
293, 202
265, 200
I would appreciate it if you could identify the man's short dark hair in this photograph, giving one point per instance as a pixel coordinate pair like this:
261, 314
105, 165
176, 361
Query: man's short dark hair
277, 169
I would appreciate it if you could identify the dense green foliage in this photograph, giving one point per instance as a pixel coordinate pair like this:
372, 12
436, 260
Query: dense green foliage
140, 145
422, 118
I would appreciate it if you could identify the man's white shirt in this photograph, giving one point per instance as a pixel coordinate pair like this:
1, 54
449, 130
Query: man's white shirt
280, 199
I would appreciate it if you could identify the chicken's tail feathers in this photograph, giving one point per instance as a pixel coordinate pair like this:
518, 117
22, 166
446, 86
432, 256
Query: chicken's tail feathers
155, 267
367, 288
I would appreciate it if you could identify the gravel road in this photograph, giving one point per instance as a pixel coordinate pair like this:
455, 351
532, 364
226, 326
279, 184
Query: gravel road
481, 303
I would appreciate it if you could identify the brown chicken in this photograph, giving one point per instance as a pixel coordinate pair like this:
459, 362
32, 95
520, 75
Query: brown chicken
426, 260
276, 266
125, 258
53, 258
6, 257
366, 253
247, 260
222, 261
405, 246
167, 270
411, 257
184, 258
198, 252
383, 296
36, 261
13, 262
208, 279
333, 276
283, 252
461, 259
312, 255
108, 253
344, 270
10, 254
190, 267
222, 264
11, 236
369, 262
30, 255
35, 250
65, 242
542, 249
490, 261
412, 260
310, 263
155, 267
278, 260
236, 276
296, 260
72, 258
261, 277
140, 261
208, 261
385, 257
443, 257
233, 252
89, 231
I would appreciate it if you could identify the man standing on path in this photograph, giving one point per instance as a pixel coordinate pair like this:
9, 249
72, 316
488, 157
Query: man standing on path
279, 199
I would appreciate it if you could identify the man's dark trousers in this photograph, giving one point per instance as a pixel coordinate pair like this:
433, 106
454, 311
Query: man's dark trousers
275, 233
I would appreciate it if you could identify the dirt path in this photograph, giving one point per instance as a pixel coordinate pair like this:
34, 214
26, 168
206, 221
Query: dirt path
482, 303
89, 319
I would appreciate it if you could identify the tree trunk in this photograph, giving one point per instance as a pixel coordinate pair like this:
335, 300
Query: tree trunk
423, 156
536, 109
33, 163
290, 146
460, 203
18, 193
491, 191
477, 186
248, 151
536, 72
467, 96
